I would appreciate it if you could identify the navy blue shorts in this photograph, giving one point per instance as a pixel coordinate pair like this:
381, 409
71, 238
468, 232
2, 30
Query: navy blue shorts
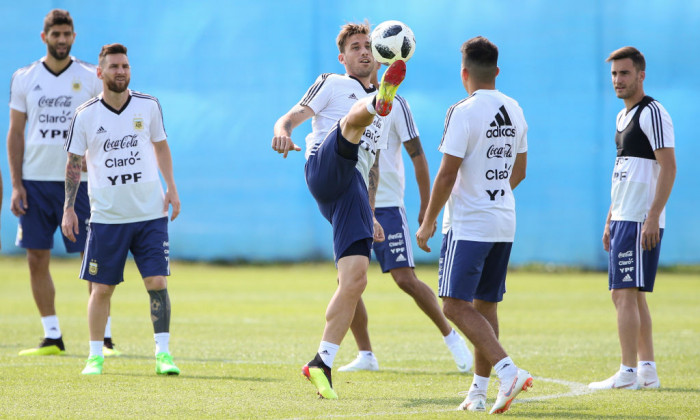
630, 265
473, 270
108, 245
45, 200
396, 251
341, 194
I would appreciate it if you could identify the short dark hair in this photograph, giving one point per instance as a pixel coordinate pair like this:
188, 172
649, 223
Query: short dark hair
348, 30
111, 49
57, 17
632, 53
480, 57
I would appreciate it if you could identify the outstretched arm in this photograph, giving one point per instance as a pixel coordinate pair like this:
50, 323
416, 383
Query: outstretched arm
165, 164
69, 224
420, 167
442, 187
282, 139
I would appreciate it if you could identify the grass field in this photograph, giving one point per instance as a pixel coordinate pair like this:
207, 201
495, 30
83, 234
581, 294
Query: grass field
241, 334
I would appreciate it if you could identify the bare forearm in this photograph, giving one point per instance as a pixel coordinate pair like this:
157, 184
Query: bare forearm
664, 185
442, 187
73, 169
165, 163
289, 121
373, 181
420, 167
15, 153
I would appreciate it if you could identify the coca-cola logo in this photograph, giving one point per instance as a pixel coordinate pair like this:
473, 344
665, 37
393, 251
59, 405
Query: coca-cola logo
499, 151
124, 143
59, 101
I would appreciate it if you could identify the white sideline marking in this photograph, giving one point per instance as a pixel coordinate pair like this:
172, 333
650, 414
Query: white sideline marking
575, 389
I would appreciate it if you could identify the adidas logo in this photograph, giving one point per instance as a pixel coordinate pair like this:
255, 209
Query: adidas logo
400, 258
101, 130
630, 370
324, 352
502, 126
352, 96
627, 278
37, 87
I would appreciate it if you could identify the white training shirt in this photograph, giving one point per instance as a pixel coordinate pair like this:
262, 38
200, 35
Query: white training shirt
399, 128
634, 178
487, 130
331, 97
49, 100
123, 181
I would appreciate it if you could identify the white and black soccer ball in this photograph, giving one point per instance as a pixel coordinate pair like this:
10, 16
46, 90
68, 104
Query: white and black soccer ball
392, 40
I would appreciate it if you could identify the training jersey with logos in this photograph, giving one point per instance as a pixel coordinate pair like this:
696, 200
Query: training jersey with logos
49, 100
331, 97
645, 128
398, 129
487, 130
123, 181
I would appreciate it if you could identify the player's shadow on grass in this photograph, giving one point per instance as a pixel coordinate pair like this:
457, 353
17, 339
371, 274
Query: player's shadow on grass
515, 410
185, 376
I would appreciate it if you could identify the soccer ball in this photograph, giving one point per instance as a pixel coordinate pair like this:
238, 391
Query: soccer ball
392, 40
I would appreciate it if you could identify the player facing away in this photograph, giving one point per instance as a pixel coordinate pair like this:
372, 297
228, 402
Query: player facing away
645, 169
121, 134
395, 254
43, 97
484, 148
348, 117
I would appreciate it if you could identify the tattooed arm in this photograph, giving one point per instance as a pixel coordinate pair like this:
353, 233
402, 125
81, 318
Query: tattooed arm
69, 225
373, 181
282, 141
420, 167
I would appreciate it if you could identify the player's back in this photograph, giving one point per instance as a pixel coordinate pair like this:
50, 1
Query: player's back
487, 130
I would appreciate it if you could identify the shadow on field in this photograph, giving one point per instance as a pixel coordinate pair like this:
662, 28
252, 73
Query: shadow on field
579, 415
186, 376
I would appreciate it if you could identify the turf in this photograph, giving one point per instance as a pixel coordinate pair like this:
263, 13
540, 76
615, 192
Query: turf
240, 334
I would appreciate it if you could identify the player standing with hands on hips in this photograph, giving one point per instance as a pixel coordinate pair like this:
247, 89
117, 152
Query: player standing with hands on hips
645, 170
121, 133
43, 96
485, 154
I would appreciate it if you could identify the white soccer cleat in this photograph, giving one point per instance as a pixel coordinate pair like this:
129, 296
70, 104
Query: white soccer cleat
648, 378
361, 363
463, 357
620, 380
508, 390
475, 402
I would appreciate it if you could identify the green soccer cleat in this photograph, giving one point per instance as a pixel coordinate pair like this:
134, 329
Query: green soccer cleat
108, 348
47, 347
165, 365
320, 376
391, 79
93, 365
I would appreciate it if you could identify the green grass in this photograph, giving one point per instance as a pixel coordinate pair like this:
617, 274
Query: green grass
241, 334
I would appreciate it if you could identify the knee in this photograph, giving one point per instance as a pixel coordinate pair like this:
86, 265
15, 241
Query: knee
355, 286
406, 281
450, 309
155, 282
101, 291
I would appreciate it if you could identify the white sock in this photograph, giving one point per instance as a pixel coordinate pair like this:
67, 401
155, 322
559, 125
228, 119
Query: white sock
51, 328
646, 364
327, 351
162, 341
96, 348
370, 107
108, 328
505, 369
365, 353
451, 338
628, 369
479, 385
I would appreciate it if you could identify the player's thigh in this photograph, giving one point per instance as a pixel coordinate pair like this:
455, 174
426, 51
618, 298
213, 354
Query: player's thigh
328, 174
461, 266
106, 249
492, 284
37, 226
150, 247
396, 251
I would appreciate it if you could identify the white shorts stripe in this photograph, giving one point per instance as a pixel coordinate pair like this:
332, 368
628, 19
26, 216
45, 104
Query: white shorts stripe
407, 237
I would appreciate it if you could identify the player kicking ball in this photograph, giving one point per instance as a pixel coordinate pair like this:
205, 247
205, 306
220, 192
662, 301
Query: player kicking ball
342, 197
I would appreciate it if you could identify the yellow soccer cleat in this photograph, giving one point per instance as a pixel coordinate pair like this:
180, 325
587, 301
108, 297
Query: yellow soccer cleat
47, 347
